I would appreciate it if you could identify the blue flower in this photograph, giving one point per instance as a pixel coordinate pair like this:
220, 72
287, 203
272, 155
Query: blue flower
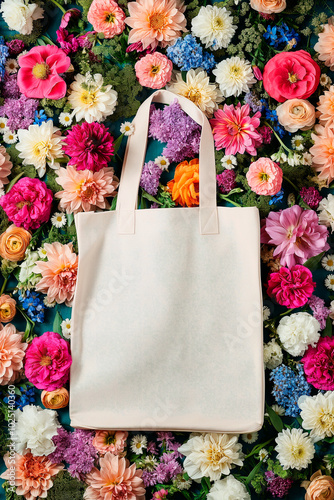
4, 52
277, 198
40, 117
278, 35
27, 397
33, 305
186, 53
271, 114
288, 386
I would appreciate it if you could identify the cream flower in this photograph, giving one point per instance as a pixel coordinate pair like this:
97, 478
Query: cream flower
90, 99
65, 119
34, 429
229, 162
297, 332
327, 262
198, 89
326, 211
11, 66
162, 162
295, 449
127, 128
250, 437
40, 144
58, 219
19, 15
9, 137
211, 455
66, 328
3, 124
234, 76
272, 354
228, 488
213, 26
297, 142
317, 413
138, 444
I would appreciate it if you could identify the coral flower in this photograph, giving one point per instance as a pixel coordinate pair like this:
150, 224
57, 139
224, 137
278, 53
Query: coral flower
85, 190
33, 475
59, 273
296, 234
5, 166
323, 153
326, 107
112, 441
264, 177
13, 243
39, 72
318, 364
12, 351
55, 399
106, 17
156, 22
7, 308
235, 130
154, 70
185, 185
325, 45
291, 287
115, 481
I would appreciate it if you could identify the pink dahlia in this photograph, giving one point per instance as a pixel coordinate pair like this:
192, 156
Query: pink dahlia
264, 177
89, 145
323, 153
296, 234
106, 17
112, 441
5, 166
59, 273
291, 287
48, 361
12, 351
154, 70
28, 203
235, 130
319, 364
85, 190
39, 72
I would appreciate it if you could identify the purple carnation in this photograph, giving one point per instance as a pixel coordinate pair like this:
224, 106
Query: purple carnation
277, 486
20, 112
15, 47
226, 181
150, 177
311, 196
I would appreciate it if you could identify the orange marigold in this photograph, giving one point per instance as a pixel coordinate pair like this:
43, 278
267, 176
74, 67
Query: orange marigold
184, 188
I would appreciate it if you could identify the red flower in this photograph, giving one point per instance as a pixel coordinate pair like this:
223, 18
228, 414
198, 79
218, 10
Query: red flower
319, 364
291, 287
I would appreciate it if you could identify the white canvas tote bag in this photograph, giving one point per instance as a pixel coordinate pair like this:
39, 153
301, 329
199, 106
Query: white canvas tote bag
167, 315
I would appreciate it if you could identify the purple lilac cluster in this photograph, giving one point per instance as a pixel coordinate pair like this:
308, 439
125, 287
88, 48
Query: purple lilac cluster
173, 126
20, 112
166, 470
150, 177
10, 88
253, 101
320, 311
226, 181
277, 486
311, 196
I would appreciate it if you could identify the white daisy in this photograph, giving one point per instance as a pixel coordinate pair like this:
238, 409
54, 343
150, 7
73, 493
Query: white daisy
263, 454
306, 159
58, 219
266, 313
198, 89
272, 354
327, 262
329, 282
162, 162
49, 304
3, 125
11, 66
229, 162
325, 80
9, 137
295, 449
250, 437
326, 209
66, 328
65, 119
294, 159
127, 128
279, 410
138, 444
234, 76
213, 26
298, 142
42, 253
317, 413
39, 145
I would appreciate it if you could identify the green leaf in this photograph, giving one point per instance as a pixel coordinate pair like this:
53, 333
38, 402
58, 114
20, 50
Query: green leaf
313, 262
206, 484
328, 331
274, 418
57, 322
113, 203
253, 472
117, 143
150, 197
11, 184
18, 392
70, 219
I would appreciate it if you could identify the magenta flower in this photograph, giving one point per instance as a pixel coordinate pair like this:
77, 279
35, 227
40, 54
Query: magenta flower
319, 364
291, 287
296, 234
48, 361
90, 146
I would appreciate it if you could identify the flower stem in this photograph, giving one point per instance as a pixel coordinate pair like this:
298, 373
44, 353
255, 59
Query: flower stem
59, 6
286, 312
278, 137
291, 183
3, 286
226, 198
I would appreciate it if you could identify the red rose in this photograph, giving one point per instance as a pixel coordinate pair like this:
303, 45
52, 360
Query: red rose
291, 75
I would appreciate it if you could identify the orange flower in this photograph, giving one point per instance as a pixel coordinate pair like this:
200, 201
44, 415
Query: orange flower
13, 243
185, 185
55, 399
320, 487
323, 153
7, 308
113, 441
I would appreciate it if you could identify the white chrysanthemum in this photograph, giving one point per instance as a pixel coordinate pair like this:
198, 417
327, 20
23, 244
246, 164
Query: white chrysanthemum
250, 437
297, 332
234, 76
229, 162
3, 124
213, 26
295, 449
9, 137
263, 454
65, 119
329, 282
11, 66
138, 444
266, 313
19, 15
90, 99
327, 262
181, 483
58, 219
198, 89
39, 145
298, 142
127, 128
228, 488
317, 413
34, 429
272, 354
162, 162
211, 455
326, 209
66, 328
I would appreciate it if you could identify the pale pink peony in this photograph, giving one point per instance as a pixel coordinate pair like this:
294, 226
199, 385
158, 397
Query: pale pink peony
154, 70
106, 17
291, 287
326, 107
235, 130
323, 153
156, 22
325, 45
296, 233
112, 441
85, 190
48, 361
12, 351
115, 480
264, 177
5, 166
319, 365
59, 273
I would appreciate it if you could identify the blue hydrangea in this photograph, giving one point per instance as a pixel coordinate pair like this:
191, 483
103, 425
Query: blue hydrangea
186, 53
40, 117
277, 198
288, 386
33, 304
27, 397
281, 35
4, 52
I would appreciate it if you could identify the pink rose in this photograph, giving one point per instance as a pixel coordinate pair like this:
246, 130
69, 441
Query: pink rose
291, 287
264, 177
318, 364
296, 114
291, 75
28, 203
268, 6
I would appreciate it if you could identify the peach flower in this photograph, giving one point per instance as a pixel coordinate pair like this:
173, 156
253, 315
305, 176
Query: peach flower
185, 185
59, 273
106, 17
320, 488
326, 107
296, 114
268, 6
55, 399
12, 351
113, 441
323, 153
264, 177
33, 475
156, 22
14, 242
325, 44
154, 70
115, 480
7, 308
5, 166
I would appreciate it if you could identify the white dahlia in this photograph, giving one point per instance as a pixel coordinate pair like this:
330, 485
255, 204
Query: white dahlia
272, 354
213, 26
297, 332
34, 429
234, 76
295, 449
317, 413
198, 89
19, 15
326, 209
228, 488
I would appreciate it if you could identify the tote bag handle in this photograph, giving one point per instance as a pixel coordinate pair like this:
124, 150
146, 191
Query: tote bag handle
134, 161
